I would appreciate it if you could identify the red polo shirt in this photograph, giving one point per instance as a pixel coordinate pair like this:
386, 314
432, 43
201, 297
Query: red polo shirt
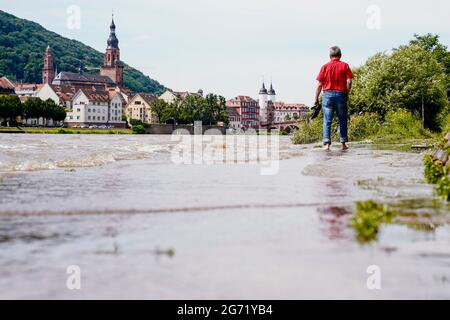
334, 75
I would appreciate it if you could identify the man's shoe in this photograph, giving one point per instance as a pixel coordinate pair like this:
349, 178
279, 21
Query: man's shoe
344, 146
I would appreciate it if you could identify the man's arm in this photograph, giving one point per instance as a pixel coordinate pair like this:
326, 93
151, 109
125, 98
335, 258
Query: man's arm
318, 92
349, 85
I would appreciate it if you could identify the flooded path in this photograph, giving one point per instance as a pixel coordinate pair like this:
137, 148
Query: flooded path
141, 227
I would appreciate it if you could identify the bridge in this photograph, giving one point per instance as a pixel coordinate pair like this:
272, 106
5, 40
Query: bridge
286, 126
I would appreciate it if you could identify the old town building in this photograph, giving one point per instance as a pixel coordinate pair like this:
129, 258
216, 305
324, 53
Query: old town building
289, 111
248, 110
139, 108
96, 108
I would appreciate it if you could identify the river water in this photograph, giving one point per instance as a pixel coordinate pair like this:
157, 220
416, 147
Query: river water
140, 226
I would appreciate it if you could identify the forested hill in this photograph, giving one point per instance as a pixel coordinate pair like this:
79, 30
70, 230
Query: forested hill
22, 46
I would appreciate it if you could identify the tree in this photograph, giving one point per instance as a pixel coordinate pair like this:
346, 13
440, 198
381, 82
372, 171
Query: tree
32, 108
209, 110
37, 108
159, 108
10, 108
401, 80
430, 42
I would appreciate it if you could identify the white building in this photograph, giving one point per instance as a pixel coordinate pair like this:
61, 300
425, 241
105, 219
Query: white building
96, 108
61, 95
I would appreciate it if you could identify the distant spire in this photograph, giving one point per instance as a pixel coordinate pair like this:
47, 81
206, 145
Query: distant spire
271, 90
113, 42
263, 89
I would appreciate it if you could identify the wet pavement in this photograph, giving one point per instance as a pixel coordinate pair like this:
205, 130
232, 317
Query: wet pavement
140, 226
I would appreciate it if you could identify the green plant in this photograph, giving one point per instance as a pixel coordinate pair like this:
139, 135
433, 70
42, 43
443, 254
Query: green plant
434, 170
400, 125
364, 126
443, 187
312, 131
309, 132
368, 218
139, 129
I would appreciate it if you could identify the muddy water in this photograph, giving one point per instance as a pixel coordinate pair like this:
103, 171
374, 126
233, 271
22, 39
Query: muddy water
140, 226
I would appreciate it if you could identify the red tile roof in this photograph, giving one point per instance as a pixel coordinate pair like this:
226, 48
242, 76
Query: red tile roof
232, 112
149, 98
65, 93
96, 95
6, 84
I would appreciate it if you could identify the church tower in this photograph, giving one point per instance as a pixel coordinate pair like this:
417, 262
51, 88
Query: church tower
272, 94
112, 66
263, 104
48, 72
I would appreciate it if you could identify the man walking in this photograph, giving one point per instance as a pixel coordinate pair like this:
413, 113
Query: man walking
335, 79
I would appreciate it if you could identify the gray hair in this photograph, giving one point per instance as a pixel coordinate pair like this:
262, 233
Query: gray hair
335, 52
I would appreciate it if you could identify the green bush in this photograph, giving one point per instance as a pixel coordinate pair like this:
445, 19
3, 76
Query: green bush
135, 122
139, 129
311, 132
397, 126
434, 170
400, 125
438, 174
364, 126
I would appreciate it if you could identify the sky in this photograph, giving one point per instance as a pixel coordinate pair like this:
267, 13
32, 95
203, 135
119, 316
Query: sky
229, 47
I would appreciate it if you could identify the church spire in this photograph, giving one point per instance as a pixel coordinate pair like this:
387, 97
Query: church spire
112, 66
113, 42
271, 90
263, 89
